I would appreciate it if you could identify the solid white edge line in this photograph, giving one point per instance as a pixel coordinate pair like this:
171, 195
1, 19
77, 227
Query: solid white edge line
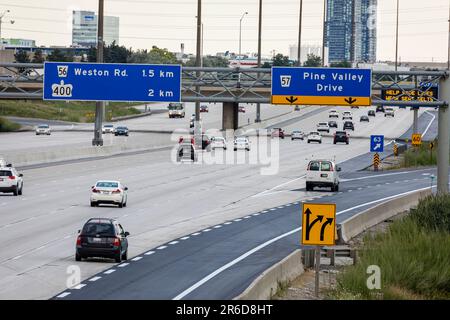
429, 124
265, 244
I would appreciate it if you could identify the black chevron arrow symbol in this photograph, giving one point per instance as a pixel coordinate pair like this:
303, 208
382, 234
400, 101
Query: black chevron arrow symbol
350, 100
309, 226
322, 230
291, 99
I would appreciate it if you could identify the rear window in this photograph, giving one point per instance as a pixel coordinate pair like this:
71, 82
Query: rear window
93, 229
106, 184
5, 173
323, 124
314, 166
326, 166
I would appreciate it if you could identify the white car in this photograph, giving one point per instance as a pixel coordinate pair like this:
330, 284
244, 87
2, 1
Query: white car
347, 115
218, 143
11, 181
333, 114
322, 173
297, 134
108, 128
314, 136
43, 129
323, 126
241, 143
389, 112
109, 192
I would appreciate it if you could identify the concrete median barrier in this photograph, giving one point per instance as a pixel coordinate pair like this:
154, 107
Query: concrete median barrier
366, 219
266, 285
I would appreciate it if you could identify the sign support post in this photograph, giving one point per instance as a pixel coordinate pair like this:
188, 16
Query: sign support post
100, 105
317, 284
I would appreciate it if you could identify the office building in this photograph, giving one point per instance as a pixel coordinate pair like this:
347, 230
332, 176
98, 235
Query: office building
84, 29
350, 30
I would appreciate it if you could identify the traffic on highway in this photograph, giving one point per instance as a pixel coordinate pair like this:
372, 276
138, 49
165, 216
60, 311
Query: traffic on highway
129, 173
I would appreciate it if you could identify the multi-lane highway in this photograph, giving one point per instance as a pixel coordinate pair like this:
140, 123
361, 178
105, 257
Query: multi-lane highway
169, 202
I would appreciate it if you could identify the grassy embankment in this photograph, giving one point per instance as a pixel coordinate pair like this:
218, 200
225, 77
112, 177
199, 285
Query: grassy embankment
61, 110
413, 256
7, 126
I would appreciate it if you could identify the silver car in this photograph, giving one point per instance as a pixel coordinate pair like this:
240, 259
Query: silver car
297, 134
43, 129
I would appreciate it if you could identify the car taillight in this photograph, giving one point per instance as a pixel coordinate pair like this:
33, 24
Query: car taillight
116, 242
116, 191
79, 241
95, 191
192, 140
12, 177
180, 140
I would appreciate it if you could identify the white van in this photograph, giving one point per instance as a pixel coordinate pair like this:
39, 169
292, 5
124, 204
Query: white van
322, 173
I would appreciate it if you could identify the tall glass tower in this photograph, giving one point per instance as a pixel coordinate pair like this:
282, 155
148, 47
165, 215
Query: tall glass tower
350, 30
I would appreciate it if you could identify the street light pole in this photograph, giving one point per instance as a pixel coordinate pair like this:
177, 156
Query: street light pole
258, 105
240, 36
324, 32
299, 49
1, 21
198, 63
100, 105
396, 40
448, 51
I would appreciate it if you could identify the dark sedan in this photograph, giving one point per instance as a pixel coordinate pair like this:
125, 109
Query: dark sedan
332, 124
102, 237
364, 119
341, 136
371, 113
349, 125
121, 131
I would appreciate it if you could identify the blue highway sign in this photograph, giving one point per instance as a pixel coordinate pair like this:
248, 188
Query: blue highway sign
376, 143
112, 82
321, 86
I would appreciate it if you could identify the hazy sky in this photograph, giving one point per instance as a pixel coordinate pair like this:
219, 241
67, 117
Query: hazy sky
423, 31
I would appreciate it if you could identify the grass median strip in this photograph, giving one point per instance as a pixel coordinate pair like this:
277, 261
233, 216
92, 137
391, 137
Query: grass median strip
413, 258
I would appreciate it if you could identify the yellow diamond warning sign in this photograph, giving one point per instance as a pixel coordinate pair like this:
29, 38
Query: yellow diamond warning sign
416, 139
319, 224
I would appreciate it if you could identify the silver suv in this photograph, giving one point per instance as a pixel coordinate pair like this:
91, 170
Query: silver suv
10, 181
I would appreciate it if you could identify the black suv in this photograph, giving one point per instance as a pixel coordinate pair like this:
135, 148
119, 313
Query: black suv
379, 109
349, 125
332, 124
121, 131
371, 113
341, 136
102, 237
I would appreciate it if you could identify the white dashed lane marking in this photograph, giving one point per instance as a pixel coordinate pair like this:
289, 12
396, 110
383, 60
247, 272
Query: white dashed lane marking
78, 287
256, 214
94, 279
136, 259
149, 253
265, 211
109, 271
246, 217
184, 238
63, 295
123, 265
196, 234
173, 242
237, 220
229, 222
217, 227
206, 230
161, 248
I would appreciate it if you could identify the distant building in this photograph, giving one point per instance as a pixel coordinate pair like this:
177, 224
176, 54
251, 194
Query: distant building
350, 30
84, 29
308, 49
18, 43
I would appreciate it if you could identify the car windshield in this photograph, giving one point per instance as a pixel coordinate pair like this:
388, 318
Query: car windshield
219, 139
43, 126
241, 140
5, 173
107, 184
314, 166
108, 125
122, 128
314, 133
92, 229
175, 107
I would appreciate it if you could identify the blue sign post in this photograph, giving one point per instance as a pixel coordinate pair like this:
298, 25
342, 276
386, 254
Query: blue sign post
321, 86
112, 82
376, 143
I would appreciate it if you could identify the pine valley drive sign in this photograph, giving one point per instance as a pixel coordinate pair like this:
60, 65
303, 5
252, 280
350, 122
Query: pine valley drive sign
321, 86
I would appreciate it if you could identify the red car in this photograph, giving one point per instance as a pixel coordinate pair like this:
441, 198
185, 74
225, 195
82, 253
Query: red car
204, 108
241, 109
278, 133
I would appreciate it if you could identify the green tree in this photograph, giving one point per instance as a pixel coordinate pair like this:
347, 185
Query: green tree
140, 56
210, 61
21, 56
281, 60
342, 64
111, 54
313, 61
59, 56
161, 56
38, 57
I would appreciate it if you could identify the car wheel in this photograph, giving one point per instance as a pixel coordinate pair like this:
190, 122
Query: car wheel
16, 191
334, 142
248, 149
118, 257
320, 141
307, 186
125, 256
336, 188
125, 204
20, 190
235, 149
77, 257
347, 142
308, 141
93, 204
121, 205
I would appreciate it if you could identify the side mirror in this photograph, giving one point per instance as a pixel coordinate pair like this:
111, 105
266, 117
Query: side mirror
126, 188
92, 187
127, 233
339, 169
79, 231
21, 175
9, 165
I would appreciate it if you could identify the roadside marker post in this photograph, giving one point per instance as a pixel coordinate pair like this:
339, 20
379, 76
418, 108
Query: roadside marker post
319, 229
395, 149
376, 161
